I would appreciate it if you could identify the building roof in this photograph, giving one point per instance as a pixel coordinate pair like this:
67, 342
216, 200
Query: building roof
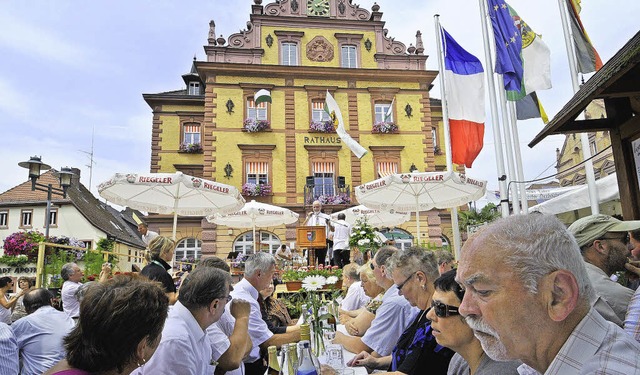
618, 78
99, 214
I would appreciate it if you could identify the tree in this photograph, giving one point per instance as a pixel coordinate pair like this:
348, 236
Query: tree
487, 214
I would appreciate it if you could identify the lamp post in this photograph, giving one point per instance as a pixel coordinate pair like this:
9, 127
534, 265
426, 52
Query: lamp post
35, 166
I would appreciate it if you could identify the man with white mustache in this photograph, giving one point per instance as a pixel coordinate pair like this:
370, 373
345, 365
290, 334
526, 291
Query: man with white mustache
528, 298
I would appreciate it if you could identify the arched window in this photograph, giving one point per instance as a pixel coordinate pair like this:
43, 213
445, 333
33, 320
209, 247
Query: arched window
266, 241
402, 238
188, 250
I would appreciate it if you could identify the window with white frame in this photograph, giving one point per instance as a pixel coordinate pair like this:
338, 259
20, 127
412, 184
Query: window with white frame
194, 88
324, 178
349, 57
53, 217
4, 219
26, 216
289, 53
317, 111
191, 133
385, 168
188, 249
88, 244
381, 110
434, 136
267, 242
257, 172
256, 112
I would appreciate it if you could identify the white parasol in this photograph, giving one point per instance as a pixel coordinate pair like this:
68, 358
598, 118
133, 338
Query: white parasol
255, 215
420, 192
375, 218
171, 193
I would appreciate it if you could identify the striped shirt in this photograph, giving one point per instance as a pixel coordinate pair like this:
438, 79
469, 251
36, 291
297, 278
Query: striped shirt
8, 351
595, 346
632, 321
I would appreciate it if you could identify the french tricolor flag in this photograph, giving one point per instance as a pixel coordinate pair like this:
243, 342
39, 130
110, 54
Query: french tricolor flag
464, 81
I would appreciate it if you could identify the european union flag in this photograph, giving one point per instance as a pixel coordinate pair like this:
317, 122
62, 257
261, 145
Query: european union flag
508, 45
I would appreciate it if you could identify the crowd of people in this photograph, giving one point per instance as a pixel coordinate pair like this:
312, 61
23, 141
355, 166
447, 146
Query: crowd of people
529, 296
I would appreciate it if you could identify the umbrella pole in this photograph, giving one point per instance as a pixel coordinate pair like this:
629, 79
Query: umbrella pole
418, 227
175, 224
456, 232
254, 238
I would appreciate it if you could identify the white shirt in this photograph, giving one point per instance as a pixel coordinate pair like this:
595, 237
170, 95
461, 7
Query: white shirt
184, 348
280, 254
219, 333
70, 303
355, 298
5, 314
392, 318
39, 336
146, 238
319, 219
341, 235
258, 329
9, 363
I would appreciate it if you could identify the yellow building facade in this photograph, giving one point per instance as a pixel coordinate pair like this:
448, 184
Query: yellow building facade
286, 152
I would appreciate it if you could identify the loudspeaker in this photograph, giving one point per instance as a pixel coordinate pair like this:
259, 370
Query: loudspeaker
310, 181
341, 182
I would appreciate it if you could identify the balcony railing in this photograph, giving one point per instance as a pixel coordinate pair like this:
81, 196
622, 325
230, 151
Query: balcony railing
327, 194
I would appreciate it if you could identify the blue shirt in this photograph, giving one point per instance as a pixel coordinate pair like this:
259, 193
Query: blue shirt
8, 351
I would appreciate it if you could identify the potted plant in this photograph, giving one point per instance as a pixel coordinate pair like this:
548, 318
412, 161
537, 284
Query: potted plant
364, 238
252, 125
191, 148
385, 127
255, 190
322, 127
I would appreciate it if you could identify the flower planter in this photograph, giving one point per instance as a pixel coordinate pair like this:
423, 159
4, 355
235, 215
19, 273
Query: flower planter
293, 286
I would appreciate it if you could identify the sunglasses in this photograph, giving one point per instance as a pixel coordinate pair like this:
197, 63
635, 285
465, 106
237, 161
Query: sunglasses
624, 239
442, 311
372, 266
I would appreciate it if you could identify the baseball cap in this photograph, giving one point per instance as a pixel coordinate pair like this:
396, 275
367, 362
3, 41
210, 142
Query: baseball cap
590, 228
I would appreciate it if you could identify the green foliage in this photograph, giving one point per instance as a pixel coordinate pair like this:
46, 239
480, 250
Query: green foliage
364, 237
14, 261
300, 273
53, 265
487, 214
105, 244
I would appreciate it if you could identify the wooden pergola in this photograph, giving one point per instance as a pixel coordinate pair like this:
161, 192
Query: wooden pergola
618, 84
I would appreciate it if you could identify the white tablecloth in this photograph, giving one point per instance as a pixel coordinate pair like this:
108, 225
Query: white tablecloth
346, 355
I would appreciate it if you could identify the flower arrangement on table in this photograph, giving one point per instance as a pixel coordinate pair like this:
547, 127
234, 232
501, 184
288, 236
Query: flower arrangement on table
191, 148
322, 126
385, 127
340, 198
252, 125
364, 237
317, 310
331, 274
256, 190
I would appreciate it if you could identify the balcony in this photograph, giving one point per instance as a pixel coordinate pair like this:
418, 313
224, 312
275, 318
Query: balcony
327, 194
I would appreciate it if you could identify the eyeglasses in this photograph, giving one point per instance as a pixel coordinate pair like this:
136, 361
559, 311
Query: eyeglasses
442, 310
624, 239
405, 281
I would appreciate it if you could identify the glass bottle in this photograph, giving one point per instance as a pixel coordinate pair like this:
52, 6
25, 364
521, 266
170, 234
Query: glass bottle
274, 366
287, 365
305, 332
307, 363
293, 347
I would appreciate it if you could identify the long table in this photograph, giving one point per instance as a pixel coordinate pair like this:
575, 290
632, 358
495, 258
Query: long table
346, 355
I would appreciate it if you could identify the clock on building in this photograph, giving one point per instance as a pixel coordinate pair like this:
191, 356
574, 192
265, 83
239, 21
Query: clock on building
318, 8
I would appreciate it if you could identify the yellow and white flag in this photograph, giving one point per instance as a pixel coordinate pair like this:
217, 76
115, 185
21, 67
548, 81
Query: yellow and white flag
336, 116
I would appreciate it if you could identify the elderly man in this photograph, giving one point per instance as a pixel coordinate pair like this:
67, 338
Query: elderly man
185, 347
72, 274
8, 351
603, 242
318, 218
230, 341
258, 273
393, 316
528, 298
40, 333
341, 248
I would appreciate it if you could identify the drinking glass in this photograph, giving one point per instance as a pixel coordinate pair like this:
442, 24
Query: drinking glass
329, 334
334, 356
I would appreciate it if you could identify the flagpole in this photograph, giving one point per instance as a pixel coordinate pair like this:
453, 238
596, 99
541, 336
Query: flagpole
447, 135
584, 137
518, 155
497, 141
508, 141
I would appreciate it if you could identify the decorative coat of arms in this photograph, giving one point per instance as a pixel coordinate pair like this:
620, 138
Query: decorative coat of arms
319, 49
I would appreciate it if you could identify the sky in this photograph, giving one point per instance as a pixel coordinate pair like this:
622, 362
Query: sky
72, 71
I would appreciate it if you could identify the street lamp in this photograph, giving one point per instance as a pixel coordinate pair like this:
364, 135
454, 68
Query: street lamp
35, 166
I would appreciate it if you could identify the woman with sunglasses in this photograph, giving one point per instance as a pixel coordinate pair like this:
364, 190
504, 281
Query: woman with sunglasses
451, 330
416, 351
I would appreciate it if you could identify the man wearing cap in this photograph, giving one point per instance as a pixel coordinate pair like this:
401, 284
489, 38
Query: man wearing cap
603, 243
